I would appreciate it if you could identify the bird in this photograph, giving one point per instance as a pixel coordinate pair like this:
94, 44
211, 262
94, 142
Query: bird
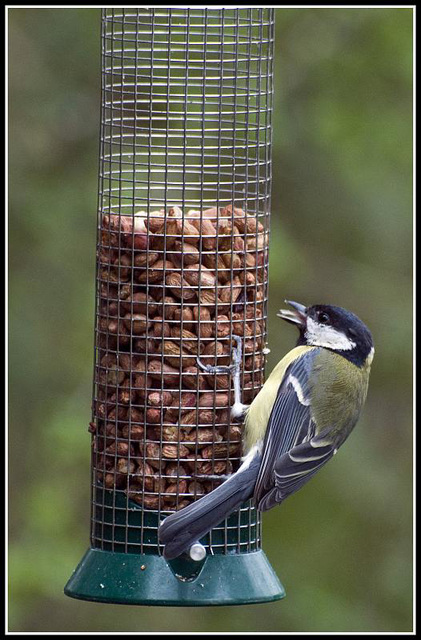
304, 412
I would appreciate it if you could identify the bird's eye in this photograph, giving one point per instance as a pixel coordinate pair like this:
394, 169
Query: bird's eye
323, 317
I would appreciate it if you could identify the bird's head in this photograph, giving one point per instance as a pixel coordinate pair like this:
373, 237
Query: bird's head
333, 328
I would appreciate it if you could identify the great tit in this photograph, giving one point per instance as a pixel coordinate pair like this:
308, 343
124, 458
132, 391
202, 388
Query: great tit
304, 412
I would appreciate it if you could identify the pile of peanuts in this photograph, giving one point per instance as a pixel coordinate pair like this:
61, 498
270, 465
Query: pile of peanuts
173, 287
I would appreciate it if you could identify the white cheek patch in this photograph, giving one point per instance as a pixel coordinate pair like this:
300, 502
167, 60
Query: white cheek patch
321, 335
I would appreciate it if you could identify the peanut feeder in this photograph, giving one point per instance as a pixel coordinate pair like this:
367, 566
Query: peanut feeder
182, 266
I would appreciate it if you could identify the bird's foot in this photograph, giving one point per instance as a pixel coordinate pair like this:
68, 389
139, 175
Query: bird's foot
231, 368
210, 476
218, 369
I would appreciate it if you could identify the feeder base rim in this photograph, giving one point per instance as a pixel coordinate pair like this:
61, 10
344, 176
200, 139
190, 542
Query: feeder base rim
148, 579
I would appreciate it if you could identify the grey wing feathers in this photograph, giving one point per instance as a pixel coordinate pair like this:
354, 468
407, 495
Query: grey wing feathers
294, 469
291, 453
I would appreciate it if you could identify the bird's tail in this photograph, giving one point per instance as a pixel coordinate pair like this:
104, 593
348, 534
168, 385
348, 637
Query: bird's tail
180, 530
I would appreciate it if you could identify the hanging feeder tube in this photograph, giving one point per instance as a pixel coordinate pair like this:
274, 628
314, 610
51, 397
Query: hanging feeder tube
182, 268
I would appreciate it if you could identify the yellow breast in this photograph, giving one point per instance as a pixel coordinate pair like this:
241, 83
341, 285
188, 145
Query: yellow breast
260, 409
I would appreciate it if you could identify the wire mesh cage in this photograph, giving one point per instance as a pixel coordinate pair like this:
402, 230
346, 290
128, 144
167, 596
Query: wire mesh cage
182, 267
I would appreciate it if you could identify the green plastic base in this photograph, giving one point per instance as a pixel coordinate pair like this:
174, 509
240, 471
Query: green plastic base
147, 579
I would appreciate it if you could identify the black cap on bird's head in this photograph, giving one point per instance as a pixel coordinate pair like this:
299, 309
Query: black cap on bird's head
334, 328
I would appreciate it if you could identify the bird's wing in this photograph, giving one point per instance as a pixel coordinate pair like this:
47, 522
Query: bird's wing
292, 452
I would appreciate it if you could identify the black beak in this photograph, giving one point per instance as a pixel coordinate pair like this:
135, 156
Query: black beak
298, 316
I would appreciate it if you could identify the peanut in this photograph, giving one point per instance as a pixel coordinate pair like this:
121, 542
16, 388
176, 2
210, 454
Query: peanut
174, 471
154, 223
156, 273
207, 297
175, 356
158, 370
198, 276
205, 327
174, 451
158, 398
184, 314
181, 505
188, 338
186, 253
207, 232
222, 326
161, 329
179, 286
193, 379
145, 258
173, 490
133, 432
150, 501
139, 302
218, 400
137, 323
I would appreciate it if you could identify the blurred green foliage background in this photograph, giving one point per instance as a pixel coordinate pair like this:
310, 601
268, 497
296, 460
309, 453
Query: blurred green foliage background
341, 233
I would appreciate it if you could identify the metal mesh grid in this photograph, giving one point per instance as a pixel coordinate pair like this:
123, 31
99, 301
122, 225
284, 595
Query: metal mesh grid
182, 256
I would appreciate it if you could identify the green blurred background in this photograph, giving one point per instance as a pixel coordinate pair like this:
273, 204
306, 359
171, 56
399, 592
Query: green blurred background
341, 233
